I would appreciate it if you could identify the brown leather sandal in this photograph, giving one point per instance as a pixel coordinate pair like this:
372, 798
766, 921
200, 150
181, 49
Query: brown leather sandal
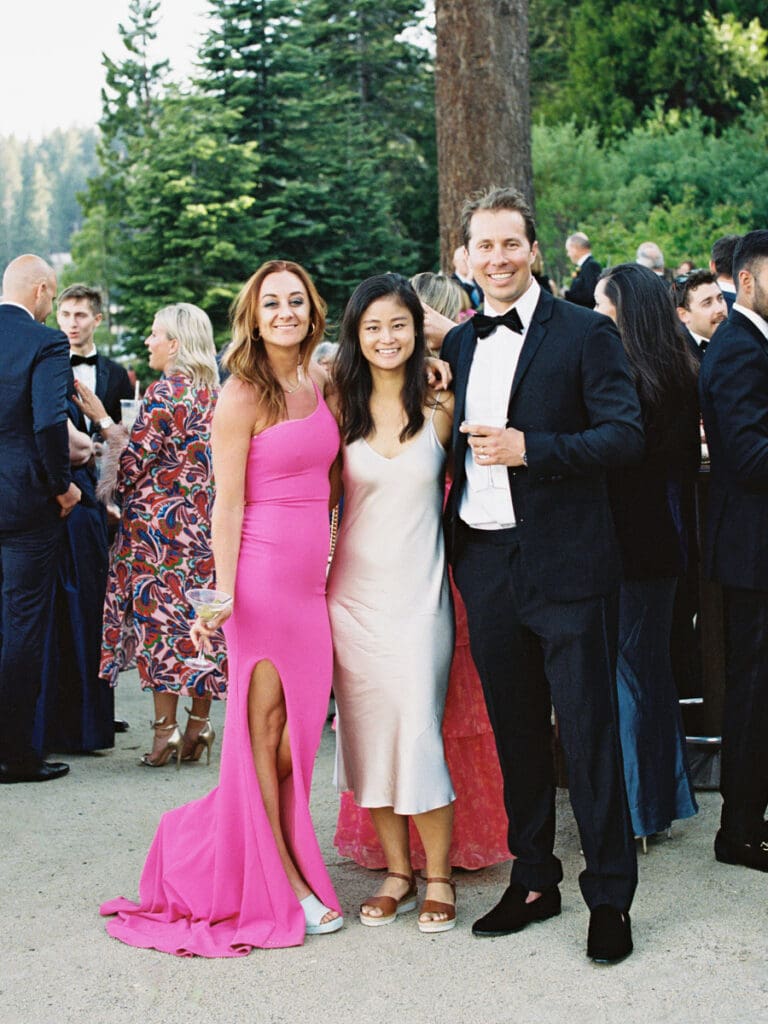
436, 907
390, 907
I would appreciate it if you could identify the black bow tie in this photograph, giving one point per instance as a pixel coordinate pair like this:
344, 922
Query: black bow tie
484, 325
87, 360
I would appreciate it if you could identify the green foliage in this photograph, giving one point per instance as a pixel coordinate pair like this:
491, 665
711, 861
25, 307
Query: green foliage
342, 111
671, 180
39, 183
609, 63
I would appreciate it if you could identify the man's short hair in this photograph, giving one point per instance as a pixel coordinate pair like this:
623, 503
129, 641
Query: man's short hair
650, 255
683, 285
751, 249
579, 239
722, 254
495, 198
84, 291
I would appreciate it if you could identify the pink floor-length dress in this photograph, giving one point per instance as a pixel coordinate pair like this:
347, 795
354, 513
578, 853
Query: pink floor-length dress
213, 884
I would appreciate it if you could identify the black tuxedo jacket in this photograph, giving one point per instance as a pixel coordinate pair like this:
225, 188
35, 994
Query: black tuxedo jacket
693, 346
574, 399
582, 290
733, 388
112, 384
652, 501
35, 381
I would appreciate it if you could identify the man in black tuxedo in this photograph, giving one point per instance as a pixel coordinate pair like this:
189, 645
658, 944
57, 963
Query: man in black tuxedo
734, 401
700, 306
464, 279
36, 493
588, 270
535, 557
79, 313
721, 264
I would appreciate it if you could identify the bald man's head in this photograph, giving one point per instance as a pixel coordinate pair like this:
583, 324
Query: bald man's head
31, 282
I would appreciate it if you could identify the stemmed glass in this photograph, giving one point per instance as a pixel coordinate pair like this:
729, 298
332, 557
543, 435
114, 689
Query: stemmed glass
207, 604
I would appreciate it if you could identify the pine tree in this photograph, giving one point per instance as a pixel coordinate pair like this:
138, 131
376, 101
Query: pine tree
342, 114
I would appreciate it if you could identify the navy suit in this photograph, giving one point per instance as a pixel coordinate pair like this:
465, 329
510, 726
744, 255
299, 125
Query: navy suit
541, 597
733, 388
582, 290
34, 469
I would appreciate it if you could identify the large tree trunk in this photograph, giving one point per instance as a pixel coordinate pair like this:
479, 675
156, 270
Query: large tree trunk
483, 105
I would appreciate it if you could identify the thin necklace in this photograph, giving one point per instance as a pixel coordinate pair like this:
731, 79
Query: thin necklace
299, 381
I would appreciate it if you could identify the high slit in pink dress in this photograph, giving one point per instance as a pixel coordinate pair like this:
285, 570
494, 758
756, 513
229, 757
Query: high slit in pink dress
213, 884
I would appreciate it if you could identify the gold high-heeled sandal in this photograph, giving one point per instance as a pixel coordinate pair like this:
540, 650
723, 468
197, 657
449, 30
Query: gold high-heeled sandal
173, 746
204, 738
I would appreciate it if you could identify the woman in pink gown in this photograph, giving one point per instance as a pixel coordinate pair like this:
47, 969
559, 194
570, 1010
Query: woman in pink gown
242, 867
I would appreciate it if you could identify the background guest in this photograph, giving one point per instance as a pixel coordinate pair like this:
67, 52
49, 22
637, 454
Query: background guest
582, 287
650, 256
75, 712
721, 264
734, 402
162, 548
463, 277
79, 313
654, 538
36, 491
701, 307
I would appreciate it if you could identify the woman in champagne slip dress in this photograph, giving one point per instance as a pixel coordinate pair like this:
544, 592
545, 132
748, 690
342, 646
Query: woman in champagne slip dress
242, 867
388, 596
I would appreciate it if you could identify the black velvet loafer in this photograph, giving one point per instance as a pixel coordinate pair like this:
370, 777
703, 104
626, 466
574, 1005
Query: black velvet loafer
610, 935
512, 913
748, 855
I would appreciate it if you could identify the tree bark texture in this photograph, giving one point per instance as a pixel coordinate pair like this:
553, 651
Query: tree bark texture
483, 111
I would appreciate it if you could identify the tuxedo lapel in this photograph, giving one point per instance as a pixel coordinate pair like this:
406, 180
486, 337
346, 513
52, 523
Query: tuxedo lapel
102, 378
536, 333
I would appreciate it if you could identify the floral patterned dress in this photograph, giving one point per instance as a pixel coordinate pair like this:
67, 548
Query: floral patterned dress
163, 548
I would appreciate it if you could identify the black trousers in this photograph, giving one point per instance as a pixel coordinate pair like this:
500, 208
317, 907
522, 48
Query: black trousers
744, 759
532, 653
28, 562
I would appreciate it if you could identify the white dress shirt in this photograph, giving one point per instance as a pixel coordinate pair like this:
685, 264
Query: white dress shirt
86, 374
486, 503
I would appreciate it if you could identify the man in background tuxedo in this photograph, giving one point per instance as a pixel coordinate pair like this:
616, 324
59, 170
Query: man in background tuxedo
462, 276
734, 402
700, 306
649, 255
721, 264
36, 493
582, 289
79, 313
535, 557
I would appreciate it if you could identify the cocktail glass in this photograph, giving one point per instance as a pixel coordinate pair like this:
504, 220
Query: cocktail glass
207, 604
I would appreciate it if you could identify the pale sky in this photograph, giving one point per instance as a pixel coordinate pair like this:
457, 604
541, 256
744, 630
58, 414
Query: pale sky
50, 57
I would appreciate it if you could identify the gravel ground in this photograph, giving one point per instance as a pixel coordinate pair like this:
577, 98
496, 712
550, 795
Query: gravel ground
700, 928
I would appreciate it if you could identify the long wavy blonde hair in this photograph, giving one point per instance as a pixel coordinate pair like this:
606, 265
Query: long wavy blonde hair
246, 358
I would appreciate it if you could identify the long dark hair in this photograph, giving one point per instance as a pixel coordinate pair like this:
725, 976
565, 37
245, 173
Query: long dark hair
650, 329
352, 374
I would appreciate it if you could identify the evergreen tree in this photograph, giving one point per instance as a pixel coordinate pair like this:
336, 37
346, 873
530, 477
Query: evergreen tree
342, 114
190, 233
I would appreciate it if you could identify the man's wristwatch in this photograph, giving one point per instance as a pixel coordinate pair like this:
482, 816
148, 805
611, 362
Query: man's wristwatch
105, 423
525, 460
